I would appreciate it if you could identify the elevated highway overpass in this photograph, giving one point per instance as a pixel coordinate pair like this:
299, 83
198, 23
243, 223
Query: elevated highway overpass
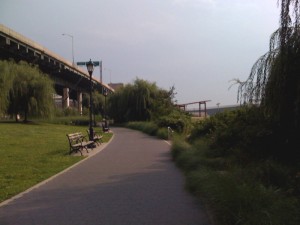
70, 80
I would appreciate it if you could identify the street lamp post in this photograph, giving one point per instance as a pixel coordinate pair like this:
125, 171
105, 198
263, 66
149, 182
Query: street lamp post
105, 127
105, 94
71, 36
90, 68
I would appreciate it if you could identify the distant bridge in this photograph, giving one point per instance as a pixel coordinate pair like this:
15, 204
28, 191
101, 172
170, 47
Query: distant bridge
70, 81
212, 110
196, 112
204, 112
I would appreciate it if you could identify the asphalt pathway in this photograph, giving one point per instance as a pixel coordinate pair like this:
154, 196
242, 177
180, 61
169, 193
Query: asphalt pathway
132, 181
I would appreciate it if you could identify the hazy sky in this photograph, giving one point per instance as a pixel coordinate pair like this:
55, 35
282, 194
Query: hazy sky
197, 46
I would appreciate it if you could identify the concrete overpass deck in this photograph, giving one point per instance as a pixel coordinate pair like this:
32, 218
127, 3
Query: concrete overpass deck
65, 75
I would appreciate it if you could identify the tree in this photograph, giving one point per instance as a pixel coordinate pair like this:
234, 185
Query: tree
98, 103
31, 92
274, 81
140, 101
5, 84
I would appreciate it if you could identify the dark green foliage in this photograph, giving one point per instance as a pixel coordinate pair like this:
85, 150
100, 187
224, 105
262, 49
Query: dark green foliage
262, 192
231, 163
6, 80
177, 120
132, 103
162, 133
98, 102
146, 127
274, 81
246, 128
143, 102
236, 202
27, 91
140, 101
179, 146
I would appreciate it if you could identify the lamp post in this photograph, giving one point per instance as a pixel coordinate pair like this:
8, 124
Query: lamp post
105, 128
90, 68
71, 36
105, 94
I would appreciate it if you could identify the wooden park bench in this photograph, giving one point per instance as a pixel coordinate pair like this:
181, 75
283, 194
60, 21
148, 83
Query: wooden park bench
97, 137
78, 142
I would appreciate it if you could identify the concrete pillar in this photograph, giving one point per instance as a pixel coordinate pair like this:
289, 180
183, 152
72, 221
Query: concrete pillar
65, 98
79, 102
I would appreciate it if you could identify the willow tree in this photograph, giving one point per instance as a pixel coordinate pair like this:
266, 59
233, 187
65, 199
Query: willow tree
140, 101
274, 80
31, 92
133, 102
5, 84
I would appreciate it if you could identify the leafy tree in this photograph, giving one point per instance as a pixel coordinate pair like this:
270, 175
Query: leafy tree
274, 81
98, 102
31, 92
140, 101
5, 84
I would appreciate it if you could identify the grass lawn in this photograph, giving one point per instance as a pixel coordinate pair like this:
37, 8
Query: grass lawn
31, 153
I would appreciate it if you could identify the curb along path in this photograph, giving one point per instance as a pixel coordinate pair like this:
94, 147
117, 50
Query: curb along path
131, 181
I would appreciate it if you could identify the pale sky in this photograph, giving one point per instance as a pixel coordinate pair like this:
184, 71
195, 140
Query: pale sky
197, 46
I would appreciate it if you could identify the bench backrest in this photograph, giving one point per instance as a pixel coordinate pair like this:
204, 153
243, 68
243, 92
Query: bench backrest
74, 137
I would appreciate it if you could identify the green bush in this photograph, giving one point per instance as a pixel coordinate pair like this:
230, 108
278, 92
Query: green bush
235, 202
179, 146
245, 128
177, 120
162, 133
146, 127
257, 192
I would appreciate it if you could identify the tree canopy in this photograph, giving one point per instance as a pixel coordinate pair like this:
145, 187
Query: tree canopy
140, 101
27, 90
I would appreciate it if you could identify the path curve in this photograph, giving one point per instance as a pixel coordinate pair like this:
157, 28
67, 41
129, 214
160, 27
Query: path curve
132, 181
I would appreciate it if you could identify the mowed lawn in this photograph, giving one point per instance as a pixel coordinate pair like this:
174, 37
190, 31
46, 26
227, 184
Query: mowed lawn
31, 153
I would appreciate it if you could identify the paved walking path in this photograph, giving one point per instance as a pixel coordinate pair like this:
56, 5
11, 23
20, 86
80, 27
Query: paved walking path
131, 181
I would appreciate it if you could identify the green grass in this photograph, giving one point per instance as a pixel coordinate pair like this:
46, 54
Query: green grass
31, 153
259, 193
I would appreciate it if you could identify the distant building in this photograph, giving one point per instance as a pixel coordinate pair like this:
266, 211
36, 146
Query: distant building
116, 86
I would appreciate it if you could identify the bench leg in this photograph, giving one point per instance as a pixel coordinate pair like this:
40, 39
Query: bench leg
98, 142
86, 149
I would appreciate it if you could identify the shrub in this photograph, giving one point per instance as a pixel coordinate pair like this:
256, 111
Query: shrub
162, 133
258, 192
236, 202
179, 146
146, 127
177, 120
246, 128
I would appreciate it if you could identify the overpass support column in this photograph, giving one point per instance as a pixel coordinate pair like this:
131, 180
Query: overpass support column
79, 102
66, 99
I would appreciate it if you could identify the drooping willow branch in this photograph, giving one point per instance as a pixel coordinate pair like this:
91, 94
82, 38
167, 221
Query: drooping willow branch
253, 89
283, 43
